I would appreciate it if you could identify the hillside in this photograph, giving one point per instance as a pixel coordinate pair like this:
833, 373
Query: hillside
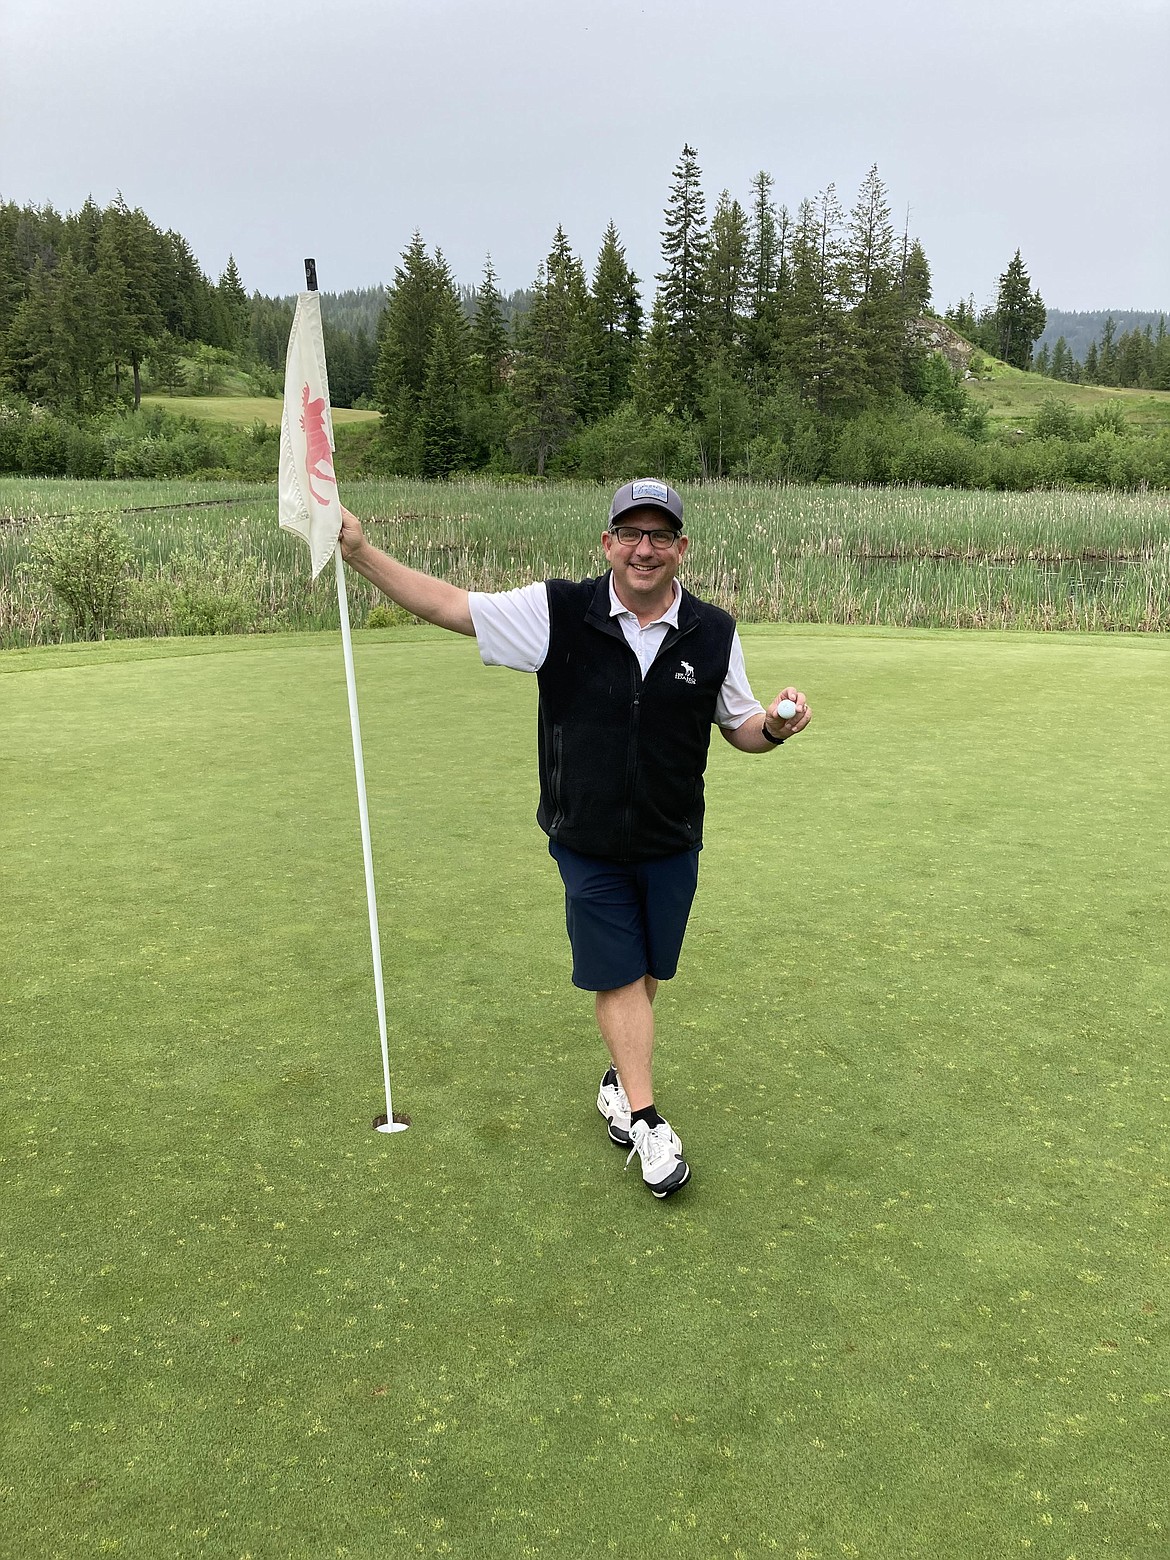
243, 410
1014, 397
1081, 328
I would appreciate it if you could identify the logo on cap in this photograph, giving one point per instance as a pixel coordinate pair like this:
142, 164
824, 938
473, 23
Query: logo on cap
655, 490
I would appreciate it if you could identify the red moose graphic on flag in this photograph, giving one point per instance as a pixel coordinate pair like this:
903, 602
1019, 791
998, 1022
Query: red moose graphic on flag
309, 502
317, 451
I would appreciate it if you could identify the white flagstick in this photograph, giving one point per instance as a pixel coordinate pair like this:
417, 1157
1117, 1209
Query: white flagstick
389, 1125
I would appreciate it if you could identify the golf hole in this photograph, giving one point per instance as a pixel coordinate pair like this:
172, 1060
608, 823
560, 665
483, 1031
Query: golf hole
399, 1124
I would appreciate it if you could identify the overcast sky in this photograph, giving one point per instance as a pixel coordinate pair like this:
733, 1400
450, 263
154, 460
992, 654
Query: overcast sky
278, 130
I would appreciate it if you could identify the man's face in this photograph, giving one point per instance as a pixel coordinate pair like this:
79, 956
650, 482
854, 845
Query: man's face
642, 571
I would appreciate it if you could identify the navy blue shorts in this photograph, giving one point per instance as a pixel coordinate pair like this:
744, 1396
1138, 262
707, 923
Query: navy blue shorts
625, 919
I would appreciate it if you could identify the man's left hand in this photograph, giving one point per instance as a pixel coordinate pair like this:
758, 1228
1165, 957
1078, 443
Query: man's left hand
783, 729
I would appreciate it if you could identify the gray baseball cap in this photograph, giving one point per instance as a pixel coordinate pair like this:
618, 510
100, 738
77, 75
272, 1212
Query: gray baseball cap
647, 491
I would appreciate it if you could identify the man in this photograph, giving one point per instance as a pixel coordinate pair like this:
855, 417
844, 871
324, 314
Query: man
633, 672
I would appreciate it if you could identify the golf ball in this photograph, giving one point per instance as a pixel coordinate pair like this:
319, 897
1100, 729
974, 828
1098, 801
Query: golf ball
786, 709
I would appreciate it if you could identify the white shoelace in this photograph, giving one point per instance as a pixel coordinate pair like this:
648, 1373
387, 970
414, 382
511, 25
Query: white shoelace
653, 1143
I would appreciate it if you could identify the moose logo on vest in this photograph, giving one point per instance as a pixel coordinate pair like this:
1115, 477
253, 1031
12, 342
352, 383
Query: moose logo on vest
687, 674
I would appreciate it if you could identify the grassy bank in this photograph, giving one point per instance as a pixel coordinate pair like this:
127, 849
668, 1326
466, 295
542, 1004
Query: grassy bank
211, 559
244, 410
1013, 398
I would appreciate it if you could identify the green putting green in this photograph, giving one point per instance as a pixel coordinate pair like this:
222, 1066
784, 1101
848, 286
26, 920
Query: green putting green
913, 1303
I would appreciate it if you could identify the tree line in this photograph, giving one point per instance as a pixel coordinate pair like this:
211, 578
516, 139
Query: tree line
772, 344
91, 299
1138, 358
760, 318
763, 322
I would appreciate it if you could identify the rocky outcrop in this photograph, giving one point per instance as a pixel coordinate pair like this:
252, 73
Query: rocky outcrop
937, 336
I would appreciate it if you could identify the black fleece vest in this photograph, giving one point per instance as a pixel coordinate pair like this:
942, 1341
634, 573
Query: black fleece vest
622, 756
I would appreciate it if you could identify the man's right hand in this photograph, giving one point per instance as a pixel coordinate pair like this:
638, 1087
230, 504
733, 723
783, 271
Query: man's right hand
352, 536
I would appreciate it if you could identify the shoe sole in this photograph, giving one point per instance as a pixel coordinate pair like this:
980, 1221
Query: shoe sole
616, 1135
673, 1186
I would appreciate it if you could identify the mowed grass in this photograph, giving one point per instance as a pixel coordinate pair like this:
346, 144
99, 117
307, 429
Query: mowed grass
913, 1303
1014, 397
244, 409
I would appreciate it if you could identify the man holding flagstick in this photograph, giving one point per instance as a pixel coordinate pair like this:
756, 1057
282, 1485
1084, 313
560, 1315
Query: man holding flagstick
633, 672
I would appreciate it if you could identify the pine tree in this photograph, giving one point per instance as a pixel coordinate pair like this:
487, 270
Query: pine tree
129, 252
684, 253
184, 293
1135, 351
724, 414
1060, 359
1160, 367
441, 418
585, 346
655, 379
235, 304
56, 355
816, 348
1019, 315
32, 347
86, 227
542, 387
916, 284
767, 286
1107, 359
422, 300
489, 335
165, 364
1042, 363
878, 323
726, 276
619, 316
764, 251
558, 382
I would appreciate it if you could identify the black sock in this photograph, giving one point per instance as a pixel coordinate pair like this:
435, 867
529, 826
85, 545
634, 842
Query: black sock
610, 1078
647, 1114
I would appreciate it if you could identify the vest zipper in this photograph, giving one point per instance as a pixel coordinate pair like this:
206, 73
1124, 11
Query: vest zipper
632, 760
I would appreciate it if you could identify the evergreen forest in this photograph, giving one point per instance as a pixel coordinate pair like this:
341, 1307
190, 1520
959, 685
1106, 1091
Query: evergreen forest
773, 344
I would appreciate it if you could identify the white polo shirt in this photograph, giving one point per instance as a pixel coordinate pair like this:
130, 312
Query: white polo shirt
512, 629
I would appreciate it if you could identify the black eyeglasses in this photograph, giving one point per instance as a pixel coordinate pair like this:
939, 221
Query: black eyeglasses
631, 535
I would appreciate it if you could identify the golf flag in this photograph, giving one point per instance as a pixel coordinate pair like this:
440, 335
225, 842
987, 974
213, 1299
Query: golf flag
309, 505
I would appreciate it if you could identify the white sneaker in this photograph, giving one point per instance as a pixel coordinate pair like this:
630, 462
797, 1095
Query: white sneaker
664, 1169
615, 1107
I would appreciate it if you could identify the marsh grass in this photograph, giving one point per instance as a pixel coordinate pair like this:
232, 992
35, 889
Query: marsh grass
208, 559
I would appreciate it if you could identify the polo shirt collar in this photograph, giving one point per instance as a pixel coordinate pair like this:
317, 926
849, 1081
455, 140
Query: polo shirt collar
670, 616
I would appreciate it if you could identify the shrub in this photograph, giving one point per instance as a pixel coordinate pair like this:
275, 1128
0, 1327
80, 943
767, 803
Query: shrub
934, 457
387, 615
866, 448
84, 562
626, 443
1057, 419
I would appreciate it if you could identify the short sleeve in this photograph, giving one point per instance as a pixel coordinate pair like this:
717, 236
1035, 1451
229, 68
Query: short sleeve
736, 702
511, 626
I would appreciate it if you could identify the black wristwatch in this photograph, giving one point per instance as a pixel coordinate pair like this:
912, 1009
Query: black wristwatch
768, 737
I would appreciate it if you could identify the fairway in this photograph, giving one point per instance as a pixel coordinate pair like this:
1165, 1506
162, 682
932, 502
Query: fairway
913, 1305
244, 409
